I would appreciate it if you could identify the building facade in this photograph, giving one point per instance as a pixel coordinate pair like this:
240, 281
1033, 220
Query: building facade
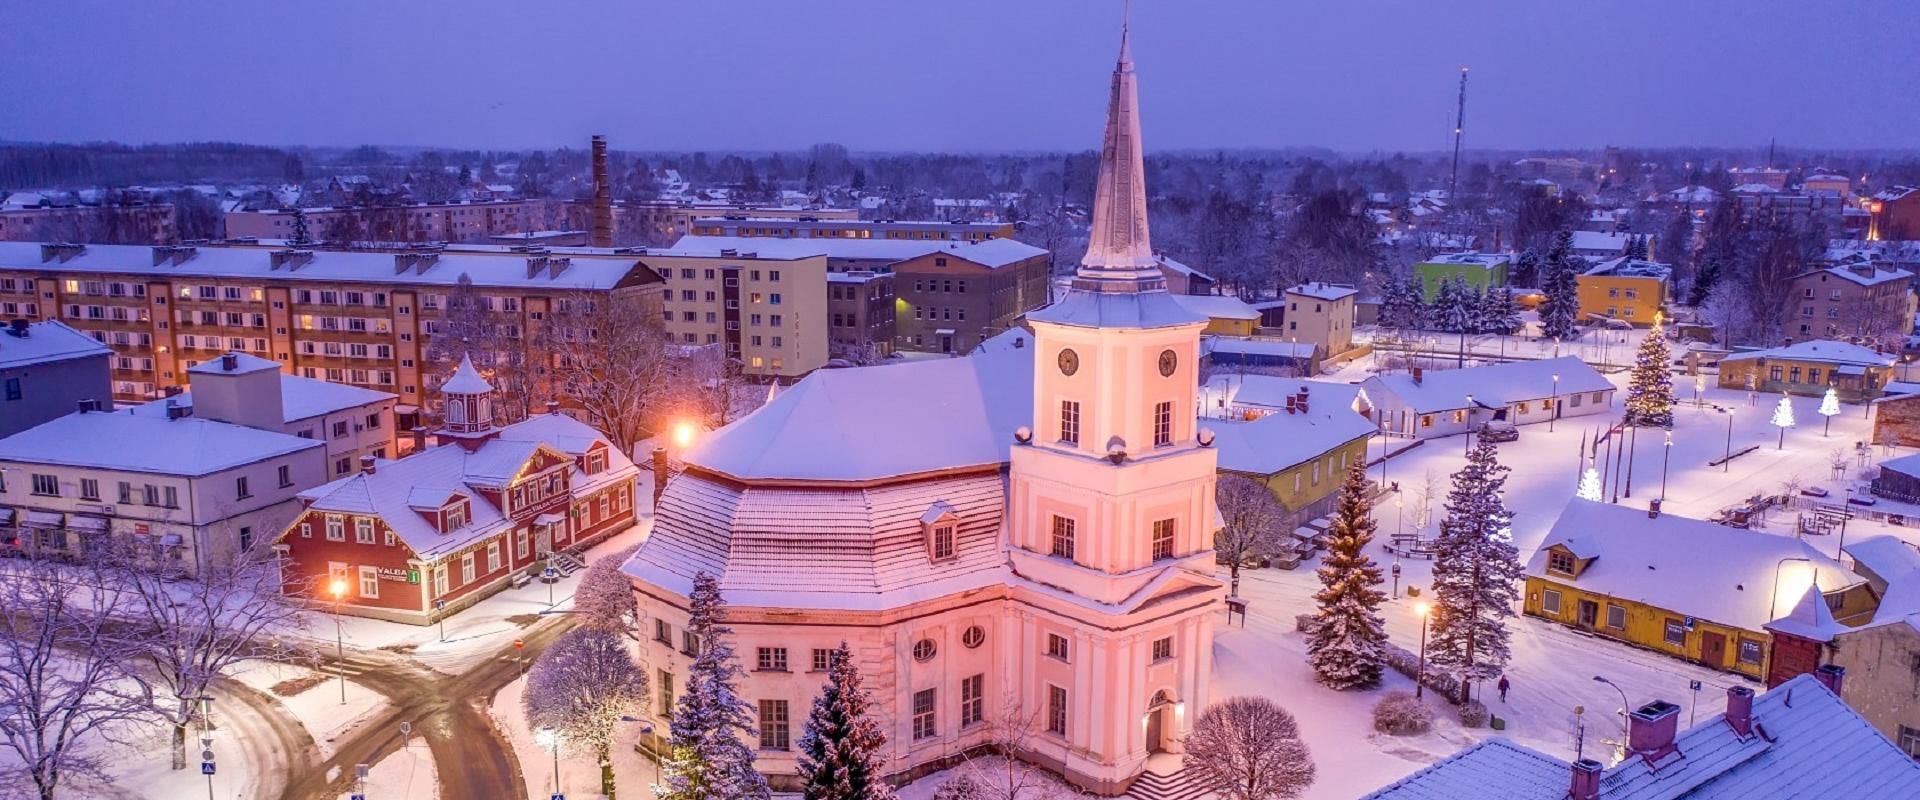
1895, 214
1479, 270
141, 223
860, 314
46, 370
1862, 302
467, 221
813, 227
1626, 289
1320, 313
1855, 373
769, 312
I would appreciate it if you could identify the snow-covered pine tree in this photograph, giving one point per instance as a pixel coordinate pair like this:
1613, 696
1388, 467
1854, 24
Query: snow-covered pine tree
1561, 285
1637, 247
1507, 313
1453, 306
1481, 320
1476, 574
1443, 299
840, 756
706, 760
1399, 304
300, 235
1526, 269
1345, 646
1650, 387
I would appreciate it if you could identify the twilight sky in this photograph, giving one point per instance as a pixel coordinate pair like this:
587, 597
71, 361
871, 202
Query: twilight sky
1354, 75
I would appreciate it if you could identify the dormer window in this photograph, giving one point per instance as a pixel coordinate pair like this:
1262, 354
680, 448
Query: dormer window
1560, 561
455, 515
596, 463
941, 526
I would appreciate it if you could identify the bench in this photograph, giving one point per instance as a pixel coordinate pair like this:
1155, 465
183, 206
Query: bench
521, 579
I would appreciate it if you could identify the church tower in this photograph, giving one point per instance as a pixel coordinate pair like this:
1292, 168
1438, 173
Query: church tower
467, 418
1111, 492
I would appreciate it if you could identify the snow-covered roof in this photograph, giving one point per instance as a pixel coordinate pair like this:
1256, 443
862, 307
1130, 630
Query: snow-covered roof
145, 443
300, 398
1822, 350
1755, 188
1624, 267
879, 422
497, 267
994, 253
1175, 266
1272, 391
1807, 743
1810, 617
1492, 386
1155, 309
1600, 240
1280, 440
399, 489
46, 343
242, 365
1471, 259
1687, 566
1874, 274
1897, 563
1244, 346
466, 380
1894, 193
1322, 291
1692, 194
1217, 306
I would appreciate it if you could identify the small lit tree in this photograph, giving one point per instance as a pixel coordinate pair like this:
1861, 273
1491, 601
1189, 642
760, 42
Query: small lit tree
1782, 419
1650, 387
1829, 408
1590, 483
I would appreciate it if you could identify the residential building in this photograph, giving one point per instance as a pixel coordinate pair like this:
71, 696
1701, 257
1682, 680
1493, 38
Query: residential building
1879, 656
1796, 740
1895, 214
362, 316
46, 370
1896, 423
1687, 588
1423, 404
418, 538
810, 227
246, 390
1606, 245
1626, 289
1301, 450
1855, 373
1017, 538
194, 490
1226, 315
1770, 177
860, 314
1864, 301
769, 310
1827, 183
1182, 279
1240, 353
465, 221
134, 223
661, 221
1479, 269
1323, 314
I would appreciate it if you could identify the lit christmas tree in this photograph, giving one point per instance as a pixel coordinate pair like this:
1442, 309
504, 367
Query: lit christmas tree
1650, 387
1782, 419
1590, 483
1829, 408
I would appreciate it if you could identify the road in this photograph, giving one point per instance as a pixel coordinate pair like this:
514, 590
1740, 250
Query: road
448, 711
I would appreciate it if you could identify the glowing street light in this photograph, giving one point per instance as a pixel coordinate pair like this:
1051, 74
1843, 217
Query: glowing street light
339, 589
682, 433
1420, 674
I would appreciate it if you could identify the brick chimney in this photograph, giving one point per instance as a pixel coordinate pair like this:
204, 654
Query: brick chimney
1293, 403
1651, 729
1832, 676
1586, 780
659, 475
367, 464
1740, 710
419, 435
1303, 399
1418, 374
1653, 508
602, 196
553, 406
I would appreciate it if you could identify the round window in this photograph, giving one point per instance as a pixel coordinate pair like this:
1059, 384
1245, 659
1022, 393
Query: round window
923, 650
973, 636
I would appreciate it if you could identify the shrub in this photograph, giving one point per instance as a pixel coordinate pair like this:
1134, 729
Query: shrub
1401, 714
960, 787
1407, 663
1473, 714
1304, 622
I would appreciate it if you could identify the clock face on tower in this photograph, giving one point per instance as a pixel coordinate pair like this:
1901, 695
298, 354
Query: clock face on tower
1167, 362
1069, 362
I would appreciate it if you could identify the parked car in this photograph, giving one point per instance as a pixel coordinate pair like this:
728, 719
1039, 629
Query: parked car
1498, 431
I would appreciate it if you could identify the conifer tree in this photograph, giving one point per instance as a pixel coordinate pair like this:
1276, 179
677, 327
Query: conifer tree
1345, 646
1650, 387
1400, 304
1704, 280
1526, 269
706, 759
1476, 574
840, 756
1562, 306
1506, 315
300, 235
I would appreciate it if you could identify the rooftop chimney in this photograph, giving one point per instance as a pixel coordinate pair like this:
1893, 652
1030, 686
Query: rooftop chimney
17, 328
1740, 710
553, 406
1832, 676
419, 435
367, 464
1586, 780
89, 404
1418, 373
659, 475
1651, 729
229, 362
1303, 399
1653, 508
602, 196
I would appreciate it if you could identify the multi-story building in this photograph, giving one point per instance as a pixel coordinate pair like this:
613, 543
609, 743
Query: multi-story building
473, 221
1320, 313
1625, 289
1864, 300
194, 490
136, 223
860, 314
809, 227
46, 370
661, 221
246, 390
769, 310
363, 317
1895, 214
1479, 270
418, 538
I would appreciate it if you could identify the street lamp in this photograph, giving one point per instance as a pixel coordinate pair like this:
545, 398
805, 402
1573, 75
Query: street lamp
1466, 445
1556, 403
682, 433
1665, 460
1623, 701
550, 739
339, 588
1420, 673
1727, 464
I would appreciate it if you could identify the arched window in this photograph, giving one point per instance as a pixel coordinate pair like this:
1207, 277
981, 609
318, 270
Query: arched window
457, 412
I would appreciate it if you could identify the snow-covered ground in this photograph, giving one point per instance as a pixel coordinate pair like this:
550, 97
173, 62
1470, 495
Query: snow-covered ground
318, 704
408, 774
579, 771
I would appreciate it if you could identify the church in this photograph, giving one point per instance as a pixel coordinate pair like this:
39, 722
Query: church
1021, 539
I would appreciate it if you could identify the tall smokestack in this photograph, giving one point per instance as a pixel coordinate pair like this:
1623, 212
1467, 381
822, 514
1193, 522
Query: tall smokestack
602, 196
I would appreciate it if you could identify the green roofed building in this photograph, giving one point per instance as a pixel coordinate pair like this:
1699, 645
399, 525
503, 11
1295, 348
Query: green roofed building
1480, 269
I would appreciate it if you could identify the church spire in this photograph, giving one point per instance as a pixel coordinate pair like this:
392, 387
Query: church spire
1118, 247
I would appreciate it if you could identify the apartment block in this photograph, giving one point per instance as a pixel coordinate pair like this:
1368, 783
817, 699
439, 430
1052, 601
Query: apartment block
476, 221
812, 227
46, 370
361, 317
130, 224
769, 311
860, 314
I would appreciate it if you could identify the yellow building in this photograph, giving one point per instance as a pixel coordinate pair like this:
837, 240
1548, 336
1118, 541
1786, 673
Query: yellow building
1301, 451
1320, 313
1688, 588
1226, 316
1809, 368
768, 311
1624, 289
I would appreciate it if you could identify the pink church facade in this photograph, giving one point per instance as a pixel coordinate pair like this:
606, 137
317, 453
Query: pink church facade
1016, 540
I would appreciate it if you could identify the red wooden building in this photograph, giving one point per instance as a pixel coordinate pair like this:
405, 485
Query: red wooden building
457, 522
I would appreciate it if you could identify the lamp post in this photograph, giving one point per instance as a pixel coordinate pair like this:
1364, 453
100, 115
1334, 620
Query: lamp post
1699, 384
1466, 445
1623, 701
1665, 461
1727, 464
1420, 672
1556, 403
1396, 577
339, 588
1400, 512
550, 739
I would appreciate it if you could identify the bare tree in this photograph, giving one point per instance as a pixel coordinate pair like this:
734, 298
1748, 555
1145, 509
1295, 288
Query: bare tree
581, 688
186, 632
605, 597
609, 357
65, 682
1008, 734
1251, 520
1248, 748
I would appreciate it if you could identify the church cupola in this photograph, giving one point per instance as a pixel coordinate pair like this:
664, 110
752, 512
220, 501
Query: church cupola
468, 414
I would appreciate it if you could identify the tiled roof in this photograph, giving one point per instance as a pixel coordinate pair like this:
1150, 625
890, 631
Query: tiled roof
1492, 769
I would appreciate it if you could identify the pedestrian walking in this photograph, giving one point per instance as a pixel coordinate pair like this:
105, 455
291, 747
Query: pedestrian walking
1504, 686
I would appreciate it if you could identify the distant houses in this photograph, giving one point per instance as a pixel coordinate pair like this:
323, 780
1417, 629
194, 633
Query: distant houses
1422, 404
1808, 368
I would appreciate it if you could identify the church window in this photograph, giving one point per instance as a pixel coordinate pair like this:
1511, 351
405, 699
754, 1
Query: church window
1069, 422
1056, 646
1162, 539
924, 649
974, 636
1056, 710
1162, 424
1163, 648
923, 706
1062, 544
972, 699
774, 734
822, 659
457, 412
772, 659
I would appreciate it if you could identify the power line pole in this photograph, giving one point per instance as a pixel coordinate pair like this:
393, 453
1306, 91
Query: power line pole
1459, 128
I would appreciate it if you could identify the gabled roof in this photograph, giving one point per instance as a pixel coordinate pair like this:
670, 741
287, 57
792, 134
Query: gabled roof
1879, 274
1277, 441
46, 343
1490, 769
1810, 618
1492, 386
1217, 306
1819, 350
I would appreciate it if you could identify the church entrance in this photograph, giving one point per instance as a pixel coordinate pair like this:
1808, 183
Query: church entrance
1158, 710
